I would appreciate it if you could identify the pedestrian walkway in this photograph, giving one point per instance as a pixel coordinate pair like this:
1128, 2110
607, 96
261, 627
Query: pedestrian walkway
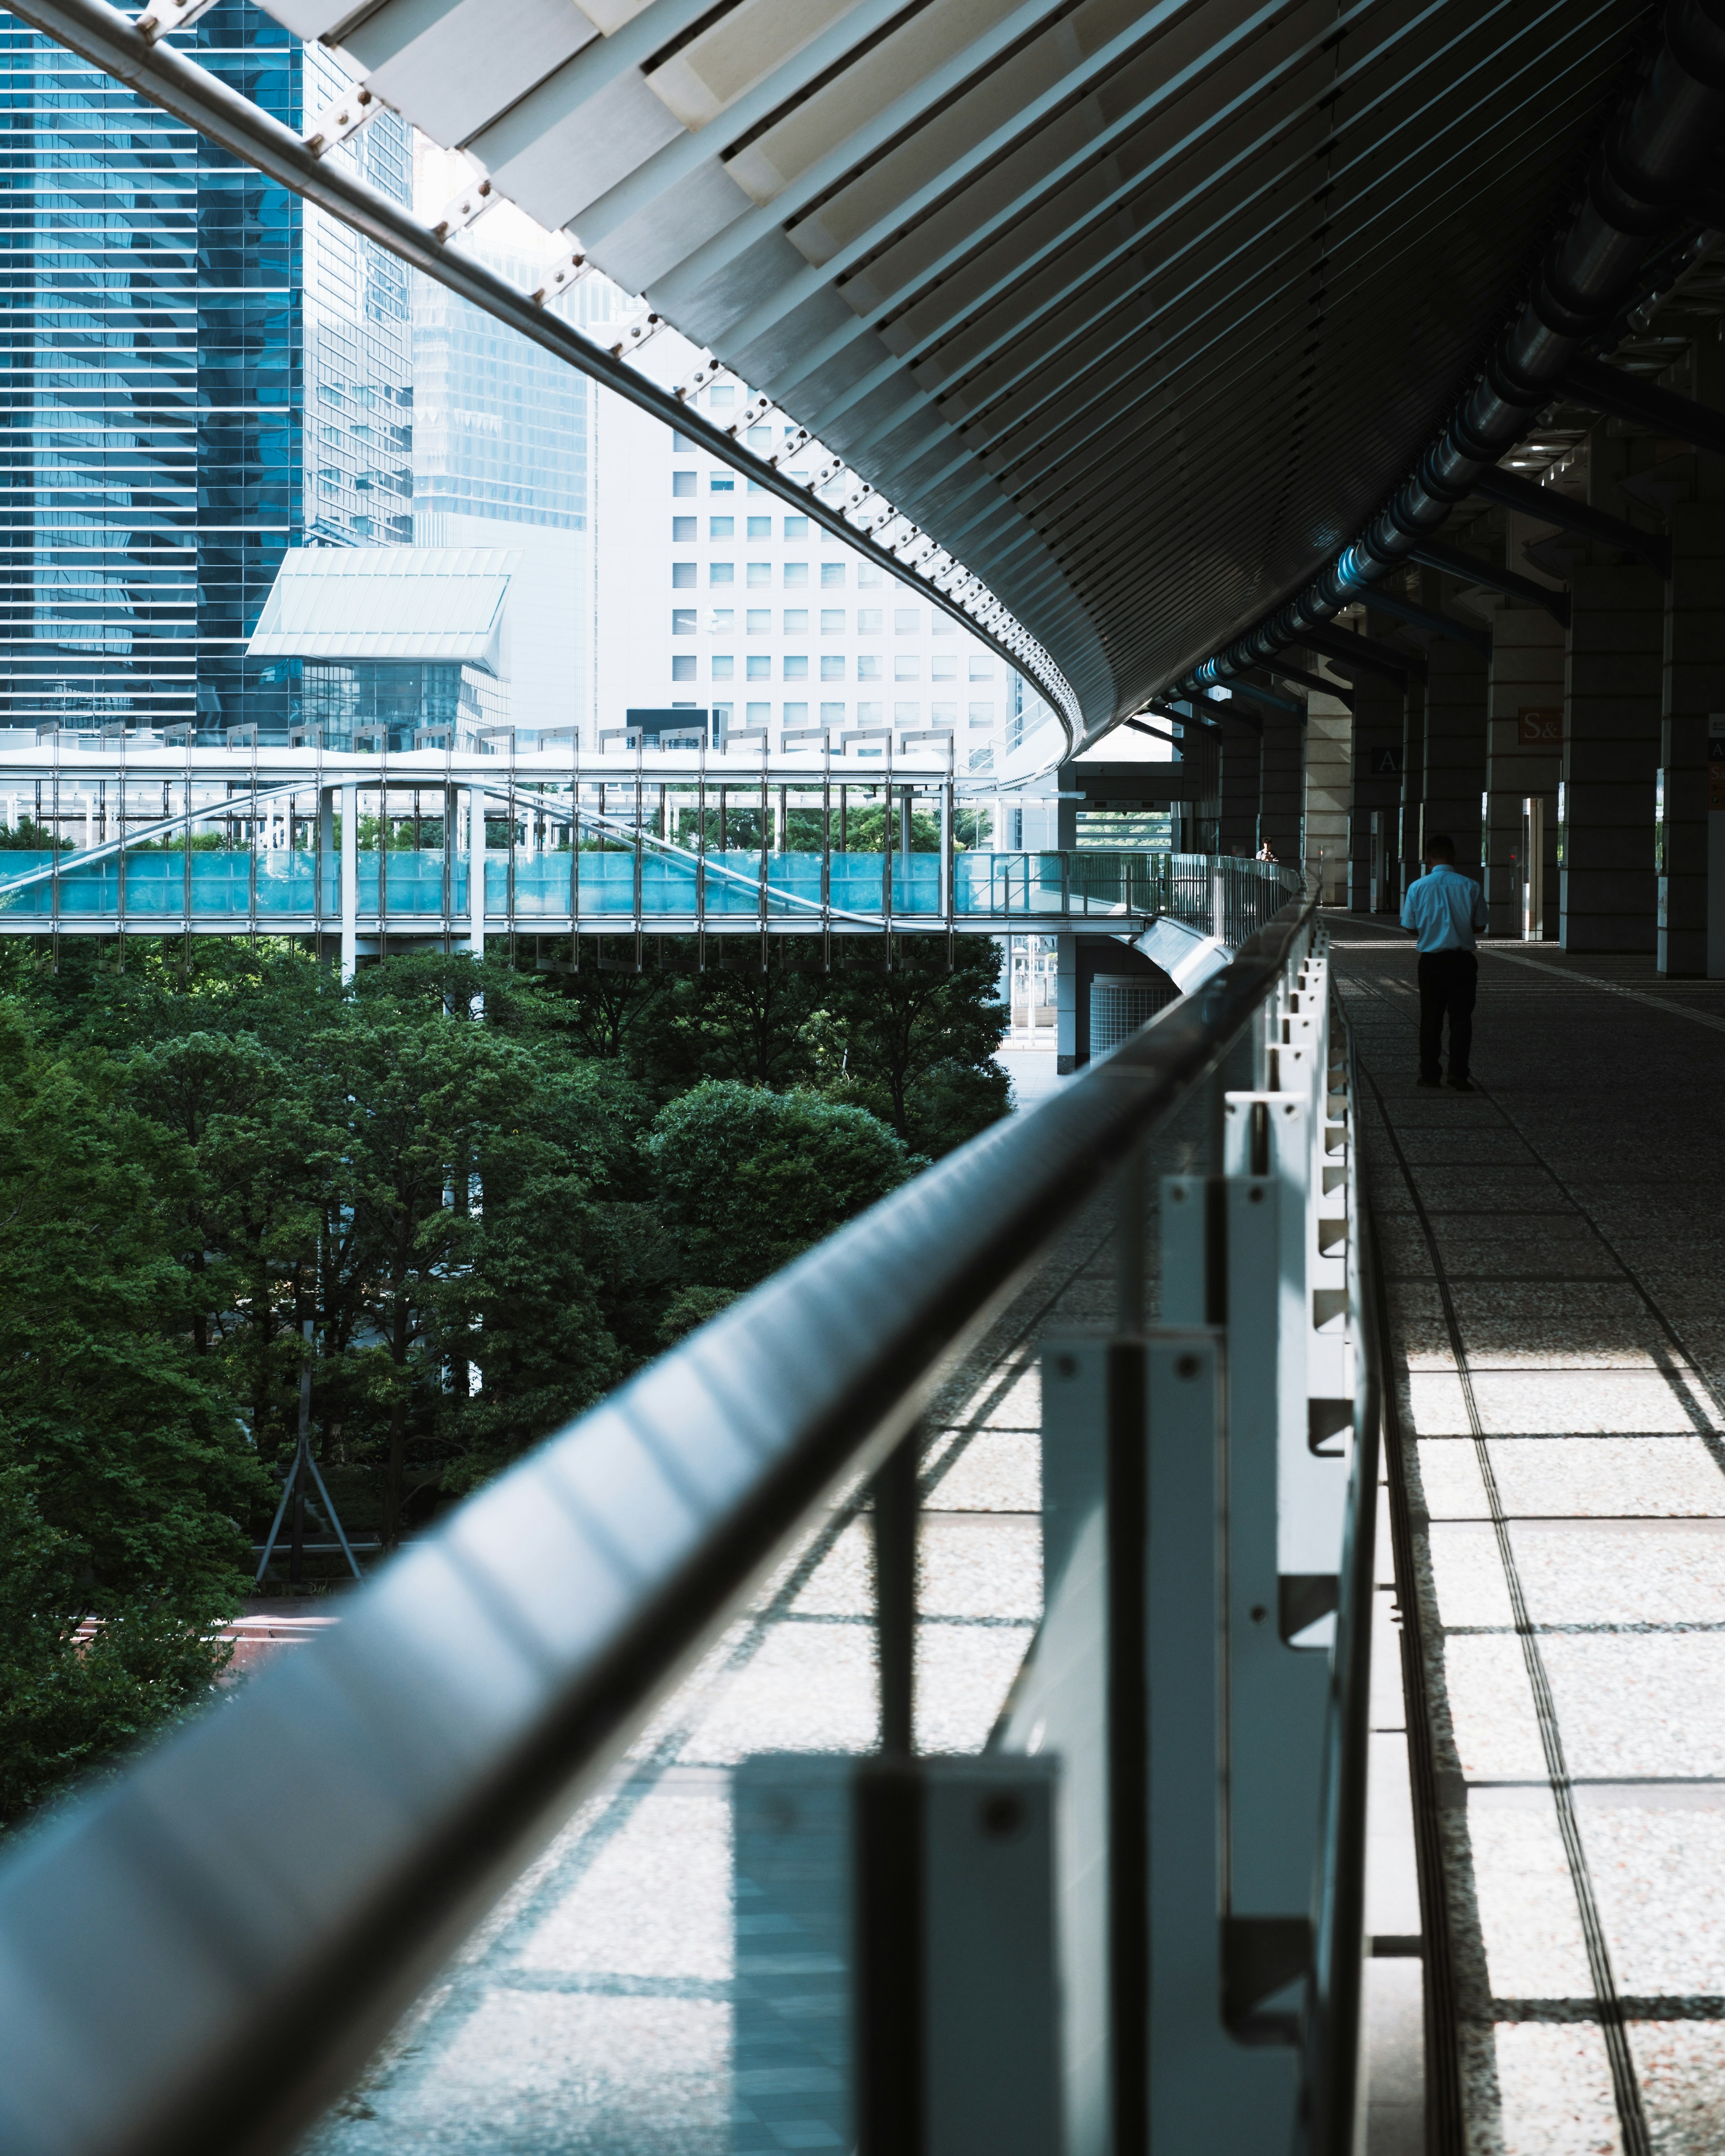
1553, 1248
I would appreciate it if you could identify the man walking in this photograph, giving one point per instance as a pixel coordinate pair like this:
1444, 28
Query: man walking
1446, 910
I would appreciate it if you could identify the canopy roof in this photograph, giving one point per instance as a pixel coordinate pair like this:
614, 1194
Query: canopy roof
440, 605
1139, 308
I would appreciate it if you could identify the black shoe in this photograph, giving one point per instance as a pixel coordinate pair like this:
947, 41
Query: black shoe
1460, 1085
1432, 1081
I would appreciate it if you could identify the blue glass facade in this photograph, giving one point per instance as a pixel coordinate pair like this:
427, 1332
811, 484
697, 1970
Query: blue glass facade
198, 373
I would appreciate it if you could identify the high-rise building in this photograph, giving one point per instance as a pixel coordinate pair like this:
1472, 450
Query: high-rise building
503, 454
200, 371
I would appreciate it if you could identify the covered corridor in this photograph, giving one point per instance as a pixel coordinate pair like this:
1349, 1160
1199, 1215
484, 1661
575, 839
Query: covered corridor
1550, 1247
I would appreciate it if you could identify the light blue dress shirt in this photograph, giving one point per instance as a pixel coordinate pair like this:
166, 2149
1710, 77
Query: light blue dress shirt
1444, 909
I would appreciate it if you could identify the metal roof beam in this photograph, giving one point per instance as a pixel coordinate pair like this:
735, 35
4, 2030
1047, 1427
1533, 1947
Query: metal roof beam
1644, 403
1455, 563
1510, 490
1347, 647
1440, 625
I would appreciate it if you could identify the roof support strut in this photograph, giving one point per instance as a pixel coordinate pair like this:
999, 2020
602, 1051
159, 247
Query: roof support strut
1644, 175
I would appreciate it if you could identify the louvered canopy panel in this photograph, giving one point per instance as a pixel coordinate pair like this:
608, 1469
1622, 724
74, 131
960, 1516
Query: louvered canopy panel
1139, 310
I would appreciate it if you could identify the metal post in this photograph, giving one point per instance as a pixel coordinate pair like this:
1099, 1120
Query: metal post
896, 1508
474, 815
350, 880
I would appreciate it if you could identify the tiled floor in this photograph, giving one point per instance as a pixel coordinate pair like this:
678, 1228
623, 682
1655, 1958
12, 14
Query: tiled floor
1552, 1243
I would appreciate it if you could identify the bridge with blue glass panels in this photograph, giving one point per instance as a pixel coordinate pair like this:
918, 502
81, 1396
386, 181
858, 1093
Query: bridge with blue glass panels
386, 851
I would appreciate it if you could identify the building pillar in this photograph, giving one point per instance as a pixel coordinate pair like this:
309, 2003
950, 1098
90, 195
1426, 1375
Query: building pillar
1454, 738
1329, 794
1412, 836
350, 882
1372, 826
1612, 688
1524, 758
1692, 804
1281, 788
1066, 1029
1241, 760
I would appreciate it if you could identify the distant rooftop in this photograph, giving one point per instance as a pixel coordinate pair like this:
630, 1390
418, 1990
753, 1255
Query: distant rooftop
434, 604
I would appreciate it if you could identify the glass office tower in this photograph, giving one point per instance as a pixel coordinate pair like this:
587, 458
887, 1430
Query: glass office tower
200, 371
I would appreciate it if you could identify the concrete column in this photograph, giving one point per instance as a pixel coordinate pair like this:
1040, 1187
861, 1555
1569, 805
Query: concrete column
350, 882
1413, 818
473, 815
1282, 788
1376, 809
1692, 882
1241, 759
1612, 688
1329, 793
1067, 1044
1455, 737
1524, 758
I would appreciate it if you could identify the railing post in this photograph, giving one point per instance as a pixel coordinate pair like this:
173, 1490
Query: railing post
350, 880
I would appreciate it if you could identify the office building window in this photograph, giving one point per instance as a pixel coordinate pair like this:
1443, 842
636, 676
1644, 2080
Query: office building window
721, 527
870, 572
757, 621
796, 573
759, 714
868, 621
906, 621
982, 667
943, 666
683, 482
944, 625
832, 621
867, 667
719, 621
760, 527
683, 666
758, 667
832, 715
721, 396
907, 666
682, 576
982, 714
796, 666
724, 666
795, 715
796, 527
683, 442
721, 481
796, 621
721, 572
943, 714
761, 439
760, 574
682, 531
832, 574
868, 715
907, 714
832, 666
721, 716
682, 621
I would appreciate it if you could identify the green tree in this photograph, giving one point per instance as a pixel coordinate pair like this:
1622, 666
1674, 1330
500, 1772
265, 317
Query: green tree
748, 1178
916, 1044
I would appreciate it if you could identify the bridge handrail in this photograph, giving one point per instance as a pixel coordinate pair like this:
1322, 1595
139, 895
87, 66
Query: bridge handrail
200, 1955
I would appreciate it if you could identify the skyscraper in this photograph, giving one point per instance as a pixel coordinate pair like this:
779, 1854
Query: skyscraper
503, 453
199, 372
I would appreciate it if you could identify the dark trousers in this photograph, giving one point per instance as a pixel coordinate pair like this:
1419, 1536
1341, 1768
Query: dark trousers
1448, 981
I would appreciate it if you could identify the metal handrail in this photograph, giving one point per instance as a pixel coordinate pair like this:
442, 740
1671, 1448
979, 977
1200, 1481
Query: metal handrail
198, 1957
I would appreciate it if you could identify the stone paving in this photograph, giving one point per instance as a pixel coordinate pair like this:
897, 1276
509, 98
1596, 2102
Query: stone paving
1552, 1243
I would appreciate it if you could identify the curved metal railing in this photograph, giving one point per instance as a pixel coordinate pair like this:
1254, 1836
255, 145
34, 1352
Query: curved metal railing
196, 1958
